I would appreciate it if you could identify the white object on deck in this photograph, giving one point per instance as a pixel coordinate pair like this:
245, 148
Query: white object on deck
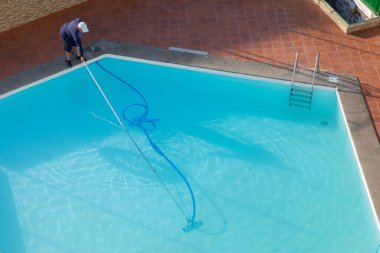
188, 50
333, 79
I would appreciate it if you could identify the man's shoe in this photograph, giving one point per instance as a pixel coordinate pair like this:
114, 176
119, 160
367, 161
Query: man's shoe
68, 63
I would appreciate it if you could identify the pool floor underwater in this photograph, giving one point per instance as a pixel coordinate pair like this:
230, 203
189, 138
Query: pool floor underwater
265, 177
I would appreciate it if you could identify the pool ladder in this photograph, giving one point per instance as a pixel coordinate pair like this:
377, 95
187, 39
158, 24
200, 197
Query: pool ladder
301, 94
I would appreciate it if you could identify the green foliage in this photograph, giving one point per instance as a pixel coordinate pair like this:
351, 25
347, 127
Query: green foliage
374, 5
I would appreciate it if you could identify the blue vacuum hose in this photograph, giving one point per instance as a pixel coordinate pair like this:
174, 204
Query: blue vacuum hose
145, 124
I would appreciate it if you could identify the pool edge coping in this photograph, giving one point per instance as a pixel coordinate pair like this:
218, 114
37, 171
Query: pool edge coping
361, 144
357, 118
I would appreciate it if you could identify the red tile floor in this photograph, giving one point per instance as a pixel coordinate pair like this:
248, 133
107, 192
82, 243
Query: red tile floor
268, 31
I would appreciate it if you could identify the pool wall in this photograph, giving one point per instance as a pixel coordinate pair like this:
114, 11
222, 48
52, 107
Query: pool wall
357, 158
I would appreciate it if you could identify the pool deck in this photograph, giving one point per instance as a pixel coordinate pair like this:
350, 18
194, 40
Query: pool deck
238, 35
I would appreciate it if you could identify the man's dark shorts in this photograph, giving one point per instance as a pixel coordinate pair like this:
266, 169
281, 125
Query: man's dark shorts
68, 44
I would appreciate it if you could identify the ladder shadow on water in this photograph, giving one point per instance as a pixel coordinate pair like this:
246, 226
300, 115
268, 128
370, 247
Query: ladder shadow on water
234, 149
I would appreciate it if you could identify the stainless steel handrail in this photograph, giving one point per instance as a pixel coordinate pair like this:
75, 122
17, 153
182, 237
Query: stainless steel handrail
294, 68
316, 65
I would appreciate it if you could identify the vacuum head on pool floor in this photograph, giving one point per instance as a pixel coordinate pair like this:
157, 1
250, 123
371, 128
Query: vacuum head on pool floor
192, 225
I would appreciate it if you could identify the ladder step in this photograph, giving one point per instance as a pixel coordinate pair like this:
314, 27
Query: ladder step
309, 96
301, 90
300, 100
303, 106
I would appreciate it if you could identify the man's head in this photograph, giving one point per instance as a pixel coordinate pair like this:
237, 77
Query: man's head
83, 27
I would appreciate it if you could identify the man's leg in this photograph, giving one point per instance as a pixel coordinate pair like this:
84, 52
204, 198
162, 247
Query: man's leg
77, 52
77, 55
68, 59
68, 54
67, 45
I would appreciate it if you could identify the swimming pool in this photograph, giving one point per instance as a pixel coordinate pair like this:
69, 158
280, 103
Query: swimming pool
266, 177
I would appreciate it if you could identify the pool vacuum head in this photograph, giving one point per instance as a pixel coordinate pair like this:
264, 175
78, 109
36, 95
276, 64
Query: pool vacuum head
192, 225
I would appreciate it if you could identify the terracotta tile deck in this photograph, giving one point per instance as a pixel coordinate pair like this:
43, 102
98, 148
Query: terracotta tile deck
268, 31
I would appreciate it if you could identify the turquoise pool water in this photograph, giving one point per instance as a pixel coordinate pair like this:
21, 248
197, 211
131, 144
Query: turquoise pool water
266, 177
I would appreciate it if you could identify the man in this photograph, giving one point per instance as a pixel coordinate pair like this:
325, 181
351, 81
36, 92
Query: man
71, 34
